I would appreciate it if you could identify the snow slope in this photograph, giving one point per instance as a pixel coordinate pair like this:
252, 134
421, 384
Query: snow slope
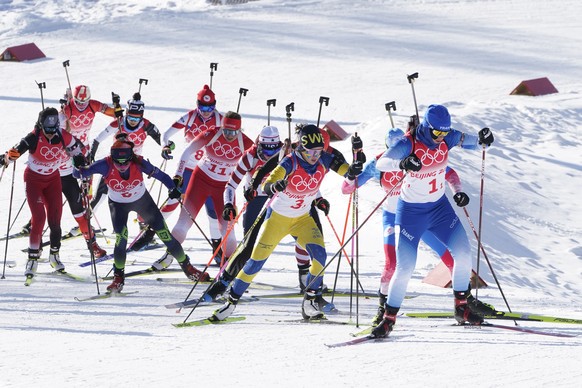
469, 56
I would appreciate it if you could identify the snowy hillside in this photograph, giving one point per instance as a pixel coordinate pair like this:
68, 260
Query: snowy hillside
469, 55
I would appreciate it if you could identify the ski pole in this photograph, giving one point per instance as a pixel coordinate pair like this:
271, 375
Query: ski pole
241, 92
41, 86
2, 174
322, 100
346, 256
87, 205
98, 225
142, 80
163, 166
66, 65
389, 107
117, 106
289, 108
18, 213
342, 241
480, 215
223, 265
357, 230
271, 102
355, 246
194, 221
9, 216
487, 259
213, 67
411, 79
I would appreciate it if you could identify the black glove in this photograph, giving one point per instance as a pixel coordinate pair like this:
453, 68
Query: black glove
322, 204
274, 188
250, 194
410, 163
115, 98
229, 212
93, 152
461, 199
360, 157
357, 143
118, 111
167, 150
486, 137
354, 170
79, 160
413, 122
178, 180
174, 193
3, 160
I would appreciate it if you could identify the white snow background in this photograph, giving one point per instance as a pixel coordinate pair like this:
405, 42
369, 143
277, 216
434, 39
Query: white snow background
469, 56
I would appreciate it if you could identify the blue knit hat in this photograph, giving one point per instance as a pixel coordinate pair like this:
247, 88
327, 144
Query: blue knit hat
437, 117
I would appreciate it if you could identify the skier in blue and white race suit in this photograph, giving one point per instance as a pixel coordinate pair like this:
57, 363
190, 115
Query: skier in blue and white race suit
423, 206
391, 181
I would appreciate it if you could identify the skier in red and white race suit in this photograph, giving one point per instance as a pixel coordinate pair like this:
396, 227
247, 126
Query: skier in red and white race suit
205, 117
136, 129
48, 147
223, 147
77, 117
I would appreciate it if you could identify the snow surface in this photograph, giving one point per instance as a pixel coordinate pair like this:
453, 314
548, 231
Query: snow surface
469, 56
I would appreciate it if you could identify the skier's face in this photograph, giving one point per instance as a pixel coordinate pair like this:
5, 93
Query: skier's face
132, 120
229, 134
438, 136
311, 155
121, 165
206, 110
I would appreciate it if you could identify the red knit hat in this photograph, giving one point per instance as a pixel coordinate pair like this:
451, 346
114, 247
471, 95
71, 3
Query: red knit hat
206, 96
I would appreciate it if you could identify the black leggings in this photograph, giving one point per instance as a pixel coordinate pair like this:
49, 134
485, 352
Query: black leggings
147, 209
73, 194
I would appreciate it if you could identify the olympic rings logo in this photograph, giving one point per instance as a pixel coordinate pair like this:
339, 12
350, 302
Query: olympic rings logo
82, 119
391, 179
310, 183
123, 185
136, 138
52, 153
430, 157
226, 150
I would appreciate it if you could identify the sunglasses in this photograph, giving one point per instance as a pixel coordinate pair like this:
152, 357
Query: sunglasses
121, 162
438, 133
133, 119
206, 108
50, 130
229, 132
311, 153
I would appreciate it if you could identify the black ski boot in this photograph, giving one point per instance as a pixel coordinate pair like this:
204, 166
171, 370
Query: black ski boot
463, 312
381, 309
146, 237
386, 324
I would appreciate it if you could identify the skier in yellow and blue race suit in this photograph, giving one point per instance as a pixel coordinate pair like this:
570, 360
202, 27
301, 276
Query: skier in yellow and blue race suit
295, 183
